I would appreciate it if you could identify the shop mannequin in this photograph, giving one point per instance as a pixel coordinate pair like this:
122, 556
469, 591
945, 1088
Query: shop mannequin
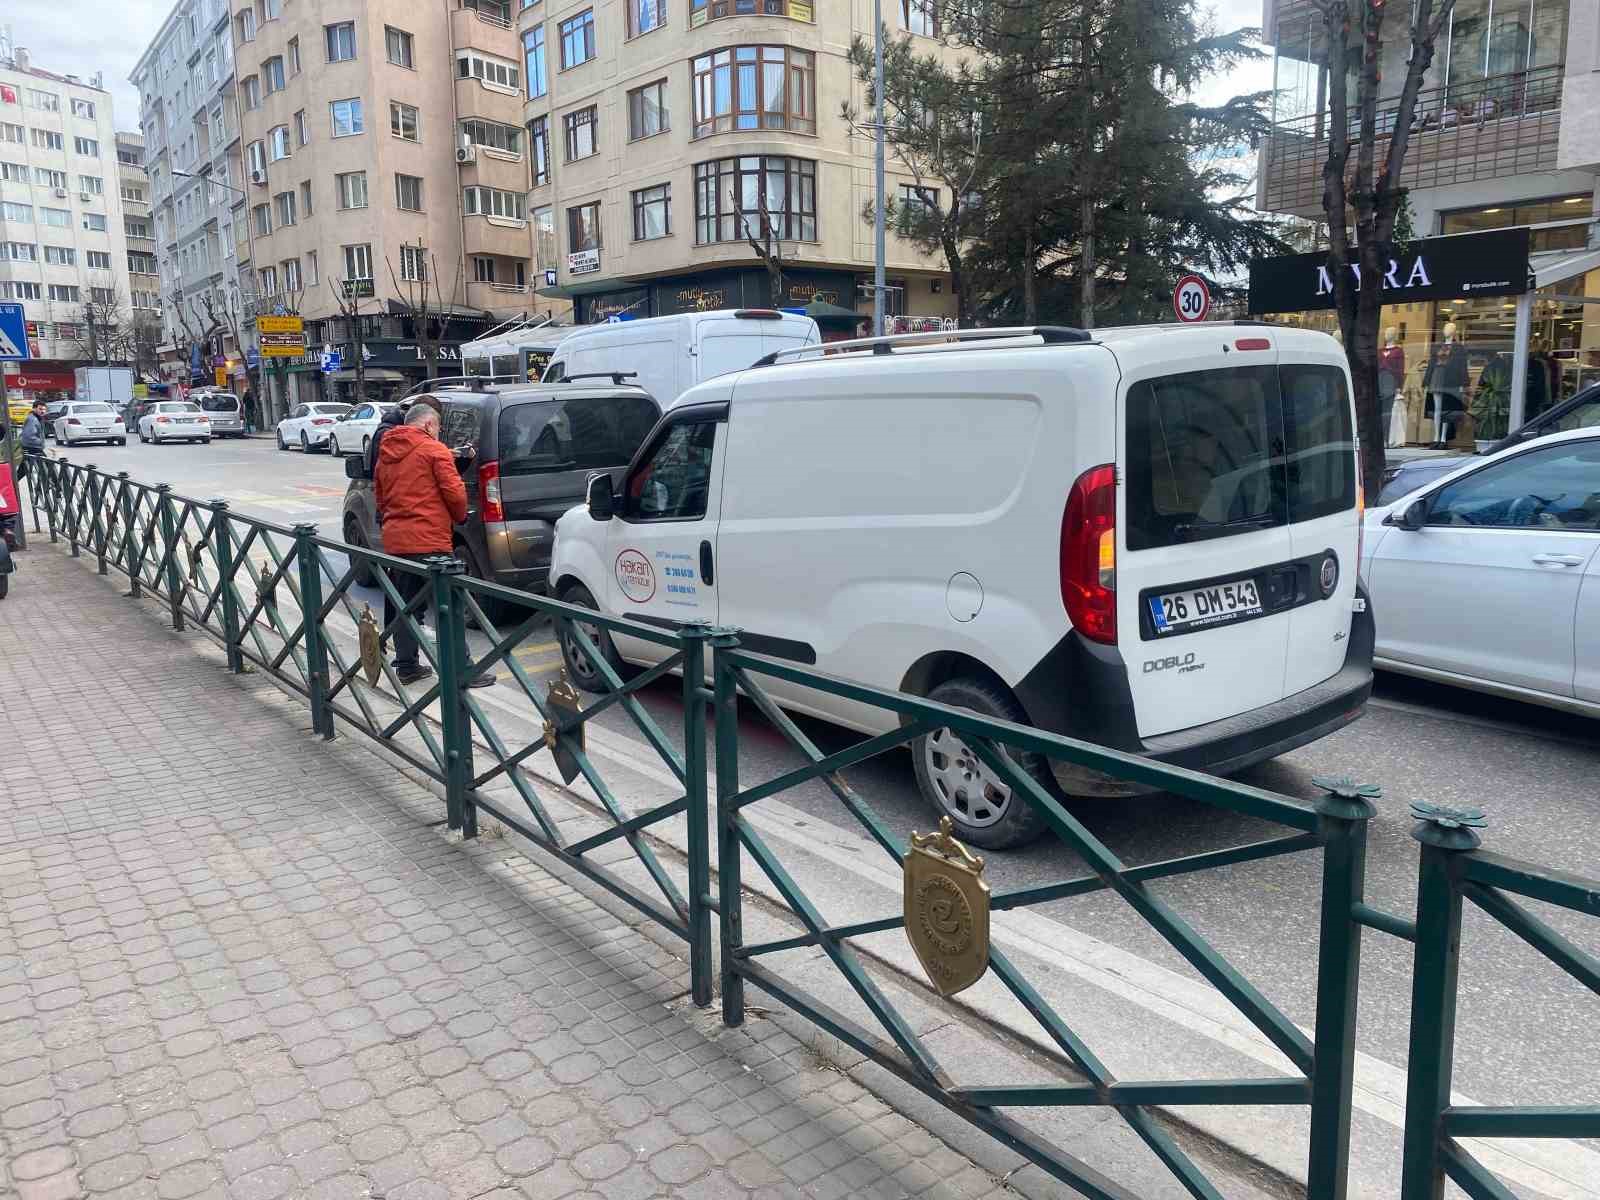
1391, 374
1445, 383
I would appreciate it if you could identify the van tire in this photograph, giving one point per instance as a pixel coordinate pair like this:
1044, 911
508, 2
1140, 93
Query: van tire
498, 611
579, 669
975, 816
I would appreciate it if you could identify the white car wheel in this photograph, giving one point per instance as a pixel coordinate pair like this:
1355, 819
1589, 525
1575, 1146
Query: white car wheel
333, 445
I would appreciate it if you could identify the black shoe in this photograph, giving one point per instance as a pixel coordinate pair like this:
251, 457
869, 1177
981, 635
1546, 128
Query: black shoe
411, 672
481, 681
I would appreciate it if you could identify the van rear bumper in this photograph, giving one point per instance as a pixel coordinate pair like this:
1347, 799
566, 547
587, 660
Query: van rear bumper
1081, 690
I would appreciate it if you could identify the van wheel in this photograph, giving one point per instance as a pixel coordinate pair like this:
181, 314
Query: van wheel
498, 611
580, 669
959, 785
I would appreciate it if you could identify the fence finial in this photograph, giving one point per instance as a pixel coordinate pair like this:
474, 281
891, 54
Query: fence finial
1446, 827
1344, 797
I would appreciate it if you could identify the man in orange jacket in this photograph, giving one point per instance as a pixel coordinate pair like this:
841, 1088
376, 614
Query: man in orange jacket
420, 499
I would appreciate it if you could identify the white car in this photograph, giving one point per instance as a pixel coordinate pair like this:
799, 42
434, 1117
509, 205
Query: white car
309, 425
86, 421
1490, 577
174, 421
354, 431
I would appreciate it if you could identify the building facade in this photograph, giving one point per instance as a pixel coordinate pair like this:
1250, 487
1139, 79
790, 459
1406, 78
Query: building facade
138, 225
1504, 136
664, 138
63, 249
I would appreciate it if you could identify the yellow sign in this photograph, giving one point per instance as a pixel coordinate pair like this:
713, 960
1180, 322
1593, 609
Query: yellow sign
282, 345
946, 909
222, 377
280, 325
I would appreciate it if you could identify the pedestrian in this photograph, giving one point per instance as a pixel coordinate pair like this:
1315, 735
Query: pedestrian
249, 412
32, 437
420, 498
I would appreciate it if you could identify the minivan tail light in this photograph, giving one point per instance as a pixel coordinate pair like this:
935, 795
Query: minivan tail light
1089, 554
1252, 344
489, 505
758, 314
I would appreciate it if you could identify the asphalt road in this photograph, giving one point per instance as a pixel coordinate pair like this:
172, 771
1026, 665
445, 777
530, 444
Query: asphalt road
1526, 1032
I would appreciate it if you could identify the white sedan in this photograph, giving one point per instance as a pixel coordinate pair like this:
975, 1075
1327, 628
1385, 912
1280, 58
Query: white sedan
354, 432
309, 425
90, 421
174, 421
1490, 577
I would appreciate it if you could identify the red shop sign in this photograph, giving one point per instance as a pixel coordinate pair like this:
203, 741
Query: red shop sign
38, 381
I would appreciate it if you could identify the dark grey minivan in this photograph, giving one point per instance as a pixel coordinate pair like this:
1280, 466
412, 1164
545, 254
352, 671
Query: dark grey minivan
537, 445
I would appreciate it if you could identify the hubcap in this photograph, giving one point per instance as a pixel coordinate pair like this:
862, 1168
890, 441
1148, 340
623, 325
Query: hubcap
967, 789
577, 656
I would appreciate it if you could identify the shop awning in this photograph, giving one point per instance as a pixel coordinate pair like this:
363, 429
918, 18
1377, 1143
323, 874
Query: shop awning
371, 375
1554, 266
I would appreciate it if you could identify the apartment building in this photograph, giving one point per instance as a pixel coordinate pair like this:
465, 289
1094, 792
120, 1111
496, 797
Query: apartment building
138, 225
193, 158
1503, 168
662, 137
62, 243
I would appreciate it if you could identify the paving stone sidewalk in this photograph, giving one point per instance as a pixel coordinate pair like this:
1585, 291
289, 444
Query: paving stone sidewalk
236, 961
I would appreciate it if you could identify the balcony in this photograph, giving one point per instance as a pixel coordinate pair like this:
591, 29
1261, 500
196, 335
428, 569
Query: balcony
497, 296
500, 236
494, 168
481, 30
1489, 129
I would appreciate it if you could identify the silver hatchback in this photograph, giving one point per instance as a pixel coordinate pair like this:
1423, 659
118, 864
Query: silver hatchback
225, 411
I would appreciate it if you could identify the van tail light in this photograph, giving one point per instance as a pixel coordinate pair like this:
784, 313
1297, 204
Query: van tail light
1089, 554
1361, 512
489, 506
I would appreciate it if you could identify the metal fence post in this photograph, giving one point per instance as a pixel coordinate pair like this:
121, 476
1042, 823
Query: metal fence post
101, 522
729, 891
125, 498
1343, 814
71, 507
223, 549
694, 764
451, 638
169, 553
305, 557
1444, 834
52, 485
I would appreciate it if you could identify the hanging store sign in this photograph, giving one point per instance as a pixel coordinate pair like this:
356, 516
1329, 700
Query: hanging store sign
583, 262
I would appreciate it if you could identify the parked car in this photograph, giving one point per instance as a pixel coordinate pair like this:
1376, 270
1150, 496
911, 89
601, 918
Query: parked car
536, 447
174, 421
1579, 411
353, 433
224, 410
1490, 578
90, 422
1095, 534
668, 355
309, 425
52, 413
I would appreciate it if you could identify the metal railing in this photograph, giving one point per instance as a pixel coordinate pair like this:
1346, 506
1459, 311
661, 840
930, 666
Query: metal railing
280, 601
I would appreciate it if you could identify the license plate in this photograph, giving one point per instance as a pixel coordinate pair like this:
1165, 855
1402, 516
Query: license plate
1197, 608
101, 429
186, 420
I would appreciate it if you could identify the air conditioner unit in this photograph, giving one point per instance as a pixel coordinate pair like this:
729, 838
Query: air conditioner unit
84, 196
466, 154
258, 177
61, 193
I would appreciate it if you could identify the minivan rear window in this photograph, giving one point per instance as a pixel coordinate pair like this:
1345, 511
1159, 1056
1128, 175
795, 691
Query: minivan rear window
573, 435
219, 402
1225, 452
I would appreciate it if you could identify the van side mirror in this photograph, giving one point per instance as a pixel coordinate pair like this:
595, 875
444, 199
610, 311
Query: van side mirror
1411, 518
602, 505
355, 467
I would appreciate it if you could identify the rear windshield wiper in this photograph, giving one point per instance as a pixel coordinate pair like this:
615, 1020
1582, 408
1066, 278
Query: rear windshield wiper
1205, 529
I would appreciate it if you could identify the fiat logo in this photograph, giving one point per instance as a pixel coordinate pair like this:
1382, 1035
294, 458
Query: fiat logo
1330, 575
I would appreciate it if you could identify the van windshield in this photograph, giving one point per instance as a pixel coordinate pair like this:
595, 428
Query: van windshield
1225, 452
573, 435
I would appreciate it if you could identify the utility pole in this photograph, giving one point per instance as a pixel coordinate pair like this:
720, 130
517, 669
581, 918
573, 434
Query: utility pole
878, 170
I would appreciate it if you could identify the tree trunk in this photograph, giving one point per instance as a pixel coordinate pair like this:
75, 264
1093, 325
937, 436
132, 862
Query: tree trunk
1086, 265
953, 259
1030, 283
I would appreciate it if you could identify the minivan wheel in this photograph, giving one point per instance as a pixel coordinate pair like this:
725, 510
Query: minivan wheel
580, 669
959, 785
362, 567
498, 611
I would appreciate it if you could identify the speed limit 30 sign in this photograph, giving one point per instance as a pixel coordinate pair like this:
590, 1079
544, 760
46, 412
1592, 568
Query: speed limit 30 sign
1191, 299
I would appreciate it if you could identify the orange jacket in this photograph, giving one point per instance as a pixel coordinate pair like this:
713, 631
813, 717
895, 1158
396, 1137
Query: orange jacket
420, 493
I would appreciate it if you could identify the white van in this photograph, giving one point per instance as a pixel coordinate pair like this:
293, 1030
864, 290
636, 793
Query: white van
669, 355
1147, 538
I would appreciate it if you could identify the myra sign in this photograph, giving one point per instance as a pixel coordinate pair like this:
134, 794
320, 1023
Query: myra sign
1494, 263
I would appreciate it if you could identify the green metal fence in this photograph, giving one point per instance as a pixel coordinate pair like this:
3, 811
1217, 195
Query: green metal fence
281, 600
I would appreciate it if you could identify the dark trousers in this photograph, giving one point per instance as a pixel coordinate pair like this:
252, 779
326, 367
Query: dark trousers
409, 586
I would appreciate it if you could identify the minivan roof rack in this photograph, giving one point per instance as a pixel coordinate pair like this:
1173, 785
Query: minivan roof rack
616, 377
1049, 334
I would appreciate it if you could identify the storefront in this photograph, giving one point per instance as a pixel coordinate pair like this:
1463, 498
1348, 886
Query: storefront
706, 291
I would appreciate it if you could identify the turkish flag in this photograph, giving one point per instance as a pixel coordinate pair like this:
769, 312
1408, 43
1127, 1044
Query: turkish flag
8, 94
8, 492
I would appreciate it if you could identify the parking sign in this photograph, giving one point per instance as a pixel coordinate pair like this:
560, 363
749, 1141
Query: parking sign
13, 334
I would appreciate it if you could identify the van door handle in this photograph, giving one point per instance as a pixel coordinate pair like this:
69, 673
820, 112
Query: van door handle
706, 575
1558, 560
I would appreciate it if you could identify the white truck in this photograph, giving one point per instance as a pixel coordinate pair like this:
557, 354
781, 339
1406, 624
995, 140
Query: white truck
105, 385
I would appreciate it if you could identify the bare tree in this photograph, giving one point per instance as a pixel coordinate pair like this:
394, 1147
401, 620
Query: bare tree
423, 302
1370, 192
100, 323
350, 309
140, 336
768, 246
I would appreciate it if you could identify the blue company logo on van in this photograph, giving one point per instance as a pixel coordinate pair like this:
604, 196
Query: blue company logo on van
1182, 664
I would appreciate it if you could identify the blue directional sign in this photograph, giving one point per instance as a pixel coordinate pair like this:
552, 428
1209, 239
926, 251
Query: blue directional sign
13, 334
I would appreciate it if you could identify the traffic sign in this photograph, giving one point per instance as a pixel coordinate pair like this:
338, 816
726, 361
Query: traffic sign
13, 334
281, 345
1191, 299
280, 324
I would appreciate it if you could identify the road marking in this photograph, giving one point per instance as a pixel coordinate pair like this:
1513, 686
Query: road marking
1490, 723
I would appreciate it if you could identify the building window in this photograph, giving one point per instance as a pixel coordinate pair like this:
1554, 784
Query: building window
305, 197
294, 56
45, 177
60, 256
915, 204
505, 138
21, 291
278, 143
647, 110
583, 227
98, 260
702, 10
59, 218
14, 172
291, 275
302, 130
311, 268
921, 16
403, 121
256, 157
408, 192
94, 222
84, 109
13, 133
63, 293
132, 193
47, 101
270, 9
45, 139
482, 269
87, 147
358, 261
286, 208
272, 74
413, 263
352, 189
19, 251
645, 15
340, 40
755, 87
492, 71
577, 39
533, 61
262, 213
580, 127
544, 238
101, 295
134, 228
250, 93
493, 202
347, 117
16, 212
269, 281
398, 44
539, 149
652, 212
732, 195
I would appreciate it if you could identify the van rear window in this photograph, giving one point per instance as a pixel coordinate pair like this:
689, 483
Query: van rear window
219, 402
573, 435
1220, 453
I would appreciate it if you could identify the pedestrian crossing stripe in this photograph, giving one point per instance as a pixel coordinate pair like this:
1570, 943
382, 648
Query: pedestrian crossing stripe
8, 346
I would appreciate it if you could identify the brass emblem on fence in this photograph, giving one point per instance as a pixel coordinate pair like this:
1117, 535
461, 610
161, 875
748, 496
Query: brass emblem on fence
111, 518
194, 560
371, 646
562, 730
947, 910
